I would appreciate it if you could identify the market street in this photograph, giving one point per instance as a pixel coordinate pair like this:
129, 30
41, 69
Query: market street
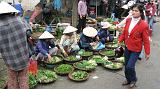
147, 72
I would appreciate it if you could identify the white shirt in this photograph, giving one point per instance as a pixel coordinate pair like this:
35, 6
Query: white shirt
133, 23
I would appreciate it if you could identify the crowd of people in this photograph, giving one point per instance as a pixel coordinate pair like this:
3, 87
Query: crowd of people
15, 32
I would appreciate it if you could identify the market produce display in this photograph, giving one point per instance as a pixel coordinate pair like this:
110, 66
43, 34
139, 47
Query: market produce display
39, 29
98, 59
55, 59
112, 45
46, 76
86, 53
121, 59
78, 75
108, 53
32, 81
112, 28
63, 69
72, 58
113, 65
86, 65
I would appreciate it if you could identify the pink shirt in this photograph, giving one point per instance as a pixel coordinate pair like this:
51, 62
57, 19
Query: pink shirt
82, 8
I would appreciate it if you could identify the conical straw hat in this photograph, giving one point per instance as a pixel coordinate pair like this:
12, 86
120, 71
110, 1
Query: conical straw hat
46, 35
90, 31
7, 8
70, 29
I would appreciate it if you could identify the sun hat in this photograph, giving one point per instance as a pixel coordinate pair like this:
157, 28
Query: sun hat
130, 3
105, 24
6, 8
46, 35
125, 6
90, 31
70, 29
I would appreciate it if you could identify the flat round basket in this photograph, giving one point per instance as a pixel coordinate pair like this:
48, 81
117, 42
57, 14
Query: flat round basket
56, 60
63, 69
111, 45
86, 54
97, 58
113, 65
83, 68
108, 52
46, 76
72, 59
78, 76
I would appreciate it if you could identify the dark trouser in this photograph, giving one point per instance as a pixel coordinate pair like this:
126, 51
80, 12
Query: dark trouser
130, 61
82, 24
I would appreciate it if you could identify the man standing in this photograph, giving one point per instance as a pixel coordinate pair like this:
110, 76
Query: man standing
82, 12
13, 46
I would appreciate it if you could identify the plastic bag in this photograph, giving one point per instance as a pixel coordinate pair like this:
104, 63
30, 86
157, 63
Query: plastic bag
33, 69
100, 46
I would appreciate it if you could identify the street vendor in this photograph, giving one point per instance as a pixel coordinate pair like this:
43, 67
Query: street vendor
103, 33
88, 39
68, 43
45, 46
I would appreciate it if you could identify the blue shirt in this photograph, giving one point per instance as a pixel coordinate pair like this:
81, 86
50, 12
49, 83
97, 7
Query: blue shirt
85, 42
43, 47
103, 34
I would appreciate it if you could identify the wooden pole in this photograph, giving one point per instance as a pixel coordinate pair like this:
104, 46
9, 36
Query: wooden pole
74, 12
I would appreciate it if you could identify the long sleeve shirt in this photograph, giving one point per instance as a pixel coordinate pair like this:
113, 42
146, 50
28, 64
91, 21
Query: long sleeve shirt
85, 42
43, 47
82, 8
71, 40
103, 34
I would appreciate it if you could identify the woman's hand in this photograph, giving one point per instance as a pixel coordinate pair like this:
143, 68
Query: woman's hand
65, 54
93, 43
49, 57
147, 56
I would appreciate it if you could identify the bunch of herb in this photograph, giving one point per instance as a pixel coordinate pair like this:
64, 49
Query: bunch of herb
46, 76
32, 81
63, 68
79, 75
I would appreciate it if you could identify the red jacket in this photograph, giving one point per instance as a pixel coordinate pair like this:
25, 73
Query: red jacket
138, 37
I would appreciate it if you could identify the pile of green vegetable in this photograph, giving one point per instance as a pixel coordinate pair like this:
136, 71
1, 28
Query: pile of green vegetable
121, 59
113, 65
107, 53
112, 45
32, 81
97, 58
86, 65
63, 69
79, 75
86, 53
39, 29
72, 58
55, 59
46, 76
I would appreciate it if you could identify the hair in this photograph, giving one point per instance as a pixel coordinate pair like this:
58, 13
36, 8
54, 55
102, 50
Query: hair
69, 34
140, 8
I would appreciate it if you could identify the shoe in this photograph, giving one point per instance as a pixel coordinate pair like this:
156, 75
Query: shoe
132, 84
139, 58
125, 83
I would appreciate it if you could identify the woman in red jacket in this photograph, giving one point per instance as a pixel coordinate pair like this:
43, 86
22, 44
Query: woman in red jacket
135, 35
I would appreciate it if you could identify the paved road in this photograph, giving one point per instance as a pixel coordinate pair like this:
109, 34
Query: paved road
147, 71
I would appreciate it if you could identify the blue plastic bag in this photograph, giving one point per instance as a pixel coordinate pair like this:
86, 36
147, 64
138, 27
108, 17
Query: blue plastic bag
100, 46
